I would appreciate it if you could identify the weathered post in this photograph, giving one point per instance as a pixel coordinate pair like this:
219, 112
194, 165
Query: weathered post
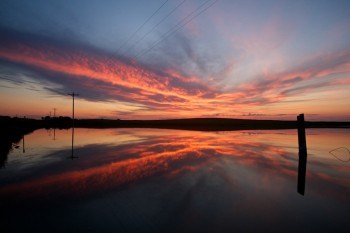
23, 149
301, 135
302, 154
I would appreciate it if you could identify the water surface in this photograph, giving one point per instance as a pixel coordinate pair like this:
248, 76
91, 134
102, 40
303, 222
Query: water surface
152, 180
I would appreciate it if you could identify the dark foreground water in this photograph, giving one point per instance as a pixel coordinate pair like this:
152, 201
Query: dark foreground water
149, 180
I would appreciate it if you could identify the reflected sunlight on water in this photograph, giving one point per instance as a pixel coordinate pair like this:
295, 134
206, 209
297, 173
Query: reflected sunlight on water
176, 181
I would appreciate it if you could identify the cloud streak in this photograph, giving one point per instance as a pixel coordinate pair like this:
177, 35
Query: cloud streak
106, 77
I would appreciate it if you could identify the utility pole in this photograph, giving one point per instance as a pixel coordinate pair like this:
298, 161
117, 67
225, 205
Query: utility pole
73, 95
54, 112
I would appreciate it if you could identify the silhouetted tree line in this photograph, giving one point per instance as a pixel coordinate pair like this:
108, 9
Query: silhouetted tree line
61, 122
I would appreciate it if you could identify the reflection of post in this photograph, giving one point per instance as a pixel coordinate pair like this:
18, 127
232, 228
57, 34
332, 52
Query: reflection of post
302, 154
24, 150
54, 133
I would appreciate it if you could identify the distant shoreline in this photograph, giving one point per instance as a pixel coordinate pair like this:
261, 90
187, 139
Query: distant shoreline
200, 124
13, 128
205, 124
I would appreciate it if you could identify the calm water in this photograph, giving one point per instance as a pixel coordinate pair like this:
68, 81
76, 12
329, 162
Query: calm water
151, 180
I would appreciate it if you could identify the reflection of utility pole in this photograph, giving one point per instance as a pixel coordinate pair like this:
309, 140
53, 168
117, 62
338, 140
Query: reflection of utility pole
73, 94
55, 124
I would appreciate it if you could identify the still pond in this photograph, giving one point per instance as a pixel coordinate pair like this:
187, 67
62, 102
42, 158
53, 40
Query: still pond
156, 180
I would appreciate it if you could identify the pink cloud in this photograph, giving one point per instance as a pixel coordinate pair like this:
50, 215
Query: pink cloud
169, 92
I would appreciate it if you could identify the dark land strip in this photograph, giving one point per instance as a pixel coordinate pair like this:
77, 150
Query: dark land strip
13, 128
14, 125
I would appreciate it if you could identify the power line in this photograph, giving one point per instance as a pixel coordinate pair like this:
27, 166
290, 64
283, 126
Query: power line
177, 27
154, 27
141, 26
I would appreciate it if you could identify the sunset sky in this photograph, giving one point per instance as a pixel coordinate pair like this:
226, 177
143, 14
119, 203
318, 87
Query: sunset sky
159, 59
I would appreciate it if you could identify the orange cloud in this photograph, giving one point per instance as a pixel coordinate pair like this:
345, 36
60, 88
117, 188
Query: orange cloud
145, 86
169, 93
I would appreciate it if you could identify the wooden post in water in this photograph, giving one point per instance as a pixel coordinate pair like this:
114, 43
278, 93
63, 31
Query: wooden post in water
302, 154
23, 149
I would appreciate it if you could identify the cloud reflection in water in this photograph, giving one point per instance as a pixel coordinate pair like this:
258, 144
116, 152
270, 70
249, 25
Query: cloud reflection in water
196, 179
